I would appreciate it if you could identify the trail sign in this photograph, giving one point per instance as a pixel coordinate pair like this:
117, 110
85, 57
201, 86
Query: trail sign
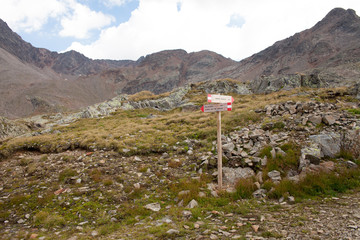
224, 103
220, 98
217, 107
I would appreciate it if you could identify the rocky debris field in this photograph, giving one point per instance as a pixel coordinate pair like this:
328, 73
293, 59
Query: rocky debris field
287, 153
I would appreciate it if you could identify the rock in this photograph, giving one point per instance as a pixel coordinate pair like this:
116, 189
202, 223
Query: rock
291, 199
310, 154
186, 213
329, 143
314, 119
153, 207
192, 204
329, 119
260, 193
184, 192
229, 147
172, 231
34, 235
255, 228
137, 159
273, 153
202, 194
137, 185
351, 164
264, 161
274, 176
213, 237
94, 233
232, 175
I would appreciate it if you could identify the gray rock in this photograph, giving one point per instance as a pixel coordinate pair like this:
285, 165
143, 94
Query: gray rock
172, 231
192, 204
315, 119
329, 119
260, 193
229, 147
351, 164
232, 175
329, 143
274, 176
310, 153
153, 207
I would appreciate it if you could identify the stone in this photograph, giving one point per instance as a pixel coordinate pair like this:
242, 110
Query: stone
186, 213
255, 228
264, 161
202, 194
213, 237
137, 159
274, 176
137, 185
184, 192
229, 147
232, 175
314, 119
311, 153
329, 143
172, 231
94, 233
34, 235
329, 119
155, 207
273, 153
351, 164
260, 193
192, 204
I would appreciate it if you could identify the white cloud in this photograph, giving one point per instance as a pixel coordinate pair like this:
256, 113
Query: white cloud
82, 20
76, 20
112, 3
29, 16
214, 25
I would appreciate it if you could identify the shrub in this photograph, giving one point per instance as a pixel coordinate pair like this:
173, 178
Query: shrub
244, 188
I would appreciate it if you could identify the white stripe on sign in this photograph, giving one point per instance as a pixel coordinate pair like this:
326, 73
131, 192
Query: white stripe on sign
220, 98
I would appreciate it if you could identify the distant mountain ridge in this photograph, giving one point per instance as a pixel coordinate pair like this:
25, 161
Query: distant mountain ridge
36, 80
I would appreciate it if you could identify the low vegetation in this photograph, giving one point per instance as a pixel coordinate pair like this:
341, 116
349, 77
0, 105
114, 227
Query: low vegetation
86, 178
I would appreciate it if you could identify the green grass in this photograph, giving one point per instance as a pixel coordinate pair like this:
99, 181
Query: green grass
355, 111
319, 184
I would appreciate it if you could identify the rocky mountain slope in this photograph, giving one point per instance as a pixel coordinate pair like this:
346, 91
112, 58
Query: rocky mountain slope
35, 80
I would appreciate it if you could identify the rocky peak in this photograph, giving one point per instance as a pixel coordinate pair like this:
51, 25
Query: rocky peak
339, 19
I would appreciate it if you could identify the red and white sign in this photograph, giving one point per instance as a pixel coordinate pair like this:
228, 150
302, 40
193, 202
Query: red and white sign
220, 98
217, 107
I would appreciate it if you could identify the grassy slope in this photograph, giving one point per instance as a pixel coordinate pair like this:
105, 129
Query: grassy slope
148, 138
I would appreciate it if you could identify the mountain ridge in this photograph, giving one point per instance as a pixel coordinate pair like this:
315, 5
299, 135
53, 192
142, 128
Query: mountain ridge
70, 80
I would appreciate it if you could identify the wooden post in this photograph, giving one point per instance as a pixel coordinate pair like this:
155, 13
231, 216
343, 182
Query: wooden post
219, 148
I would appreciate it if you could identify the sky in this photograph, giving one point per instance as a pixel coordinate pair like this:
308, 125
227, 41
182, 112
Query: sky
129, 29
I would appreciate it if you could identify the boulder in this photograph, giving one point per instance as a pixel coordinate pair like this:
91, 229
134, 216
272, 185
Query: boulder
310, 154
274, 176
232, 175
329, 143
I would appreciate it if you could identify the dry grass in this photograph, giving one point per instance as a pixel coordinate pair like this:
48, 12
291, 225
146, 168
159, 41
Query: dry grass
147, 95
130, 130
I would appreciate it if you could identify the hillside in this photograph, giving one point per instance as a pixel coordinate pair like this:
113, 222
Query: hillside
35, 80
145, 173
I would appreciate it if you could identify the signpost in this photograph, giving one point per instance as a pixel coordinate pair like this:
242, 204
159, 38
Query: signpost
224, 103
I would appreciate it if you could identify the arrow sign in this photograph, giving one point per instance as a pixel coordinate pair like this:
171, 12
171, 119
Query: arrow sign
217, 107
220, 98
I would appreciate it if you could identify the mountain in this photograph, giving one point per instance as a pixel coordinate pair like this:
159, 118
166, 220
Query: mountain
36, 80
332, 42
